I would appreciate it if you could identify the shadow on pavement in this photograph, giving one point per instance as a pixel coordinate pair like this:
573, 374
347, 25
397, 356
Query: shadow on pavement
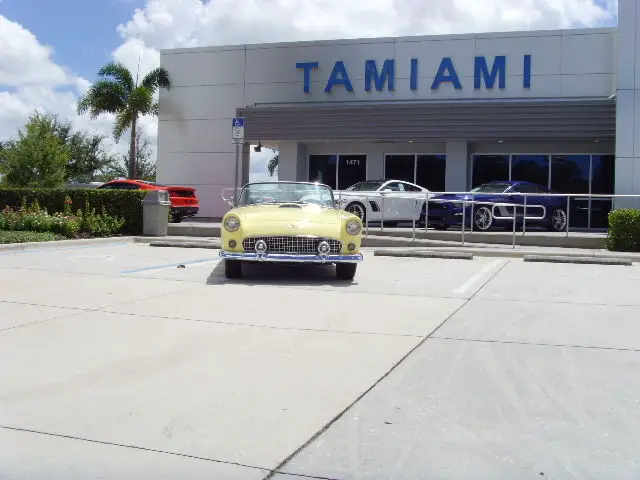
285, 275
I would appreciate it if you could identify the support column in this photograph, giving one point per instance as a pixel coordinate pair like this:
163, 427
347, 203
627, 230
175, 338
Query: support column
456, 167
627, 174
292, 161
245, 160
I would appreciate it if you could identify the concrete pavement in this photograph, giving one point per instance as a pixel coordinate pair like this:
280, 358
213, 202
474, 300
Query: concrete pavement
128, 361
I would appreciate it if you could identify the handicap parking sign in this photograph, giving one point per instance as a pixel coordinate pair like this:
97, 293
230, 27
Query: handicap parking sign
237, 130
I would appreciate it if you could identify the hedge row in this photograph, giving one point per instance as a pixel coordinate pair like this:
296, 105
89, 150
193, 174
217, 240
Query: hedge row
126, 204
624, 230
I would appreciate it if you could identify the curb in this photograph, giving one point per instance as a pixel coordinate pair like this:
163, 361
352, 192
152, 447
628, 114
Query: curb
424, 254
584, 260
185, 244
84, 242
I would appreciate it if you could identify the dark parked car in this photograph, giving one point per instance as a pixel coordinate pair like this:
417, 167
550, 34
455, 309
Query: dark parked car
446, 210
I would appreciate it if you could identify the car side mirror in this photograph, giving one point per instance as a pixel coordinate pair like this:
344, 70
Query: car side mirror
228, 195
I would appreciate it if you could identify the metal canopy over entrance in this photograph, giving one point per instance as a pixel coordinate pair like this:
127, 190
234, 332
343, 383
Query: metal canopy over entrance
473, 121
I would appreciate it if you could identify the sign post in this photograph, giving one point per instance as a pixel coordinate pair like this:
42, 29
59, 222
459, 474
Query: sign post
237, 136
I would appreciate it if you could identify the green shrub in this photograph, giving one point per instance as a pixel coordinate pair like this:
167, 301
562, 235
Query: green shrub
23, 237
32, 218
124, 204
99, 225
624, 230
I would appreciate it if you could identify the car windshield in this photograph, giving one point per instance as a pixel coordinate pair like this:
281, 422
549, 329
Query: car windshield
365, 186
491, 188
271, 193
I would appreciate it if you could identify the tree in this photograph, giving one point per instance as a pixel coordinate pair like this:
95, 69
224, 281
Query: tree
272, 165
88, 158
37, 158
145, 166
116, 92
5, 146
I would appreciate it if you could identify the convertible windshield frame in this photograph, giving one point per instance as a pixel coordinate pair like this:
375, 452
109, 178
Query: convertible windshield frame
277, 193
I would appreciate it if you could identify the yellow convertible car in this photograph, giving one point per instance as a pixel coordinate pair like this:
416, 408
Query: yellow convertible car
287, 222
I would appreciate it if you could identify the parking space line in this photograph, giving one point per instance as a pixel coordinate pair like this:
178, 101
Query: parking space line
462, 289
169, 265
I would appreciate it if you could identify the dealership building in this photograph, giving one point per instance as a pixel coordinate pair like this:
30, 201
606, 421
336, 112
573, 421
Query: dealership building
558, 107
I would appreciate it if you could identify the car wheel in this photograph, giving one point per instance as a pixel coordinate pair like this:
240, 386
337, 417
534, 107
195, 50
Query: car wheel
346, 271
357, 209
558, 221
482, 219
232, 268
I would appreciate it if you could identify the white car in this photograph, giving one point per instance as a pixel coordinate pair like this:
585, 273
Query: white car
401, 201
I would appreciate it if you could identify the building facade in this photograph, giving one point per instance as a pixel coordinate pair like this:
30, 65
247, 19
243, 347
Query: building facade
560, 108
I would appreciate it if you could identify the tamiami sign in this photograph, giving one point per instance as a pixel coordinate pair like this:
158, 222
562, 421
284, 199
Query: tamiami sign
379, 78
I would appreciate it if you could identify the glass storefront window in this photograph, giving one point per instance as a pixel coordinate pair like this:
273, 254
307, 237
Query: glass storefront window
400, 167
322, 168
351, 169
337, 171
602, 182
431, 171
570, 174
489, 168
530, 168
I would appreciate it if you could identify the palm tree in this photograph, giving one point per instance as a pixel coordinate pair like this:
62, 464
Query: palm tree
272, 165
116, 92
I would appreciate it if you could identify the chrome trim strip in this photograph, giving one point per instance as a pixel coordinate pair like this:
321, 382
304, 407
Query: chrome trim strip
278, 257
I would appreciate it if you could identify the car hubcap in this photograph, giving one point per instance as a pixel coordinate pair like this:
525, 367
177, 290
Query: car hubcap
483, 218
356, 210
559, 219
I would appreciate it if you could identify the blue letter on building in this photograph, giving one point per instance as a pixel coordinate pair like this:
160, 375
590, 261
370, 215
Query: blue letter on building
481, 71
526, 79
307, 66
414, 74
371, 72
339, 76
446, 65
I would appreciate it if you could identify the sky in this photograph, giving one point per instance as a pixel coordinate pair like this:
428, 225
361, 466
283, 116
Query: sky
51, 50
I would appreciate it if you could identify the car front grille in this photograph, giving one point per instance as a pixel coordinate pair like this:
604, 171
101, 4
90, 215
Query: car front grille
292, 244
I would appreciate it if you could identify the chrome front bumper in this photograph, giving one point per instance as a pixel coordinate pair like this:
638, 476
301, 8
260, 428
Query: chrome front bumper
281, 257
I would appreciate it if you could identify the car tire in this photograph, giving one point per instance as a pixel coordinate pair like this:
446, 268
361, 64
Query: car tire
558, 220
233, 268
482, 218
357, 209
346, 271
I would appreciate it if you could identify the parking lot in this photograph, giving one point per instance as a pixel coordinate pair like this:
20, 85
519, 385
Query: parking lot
137, 362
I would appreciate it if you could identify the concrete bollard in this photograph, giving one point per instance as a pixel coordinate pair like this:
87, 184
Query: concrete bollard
155, 213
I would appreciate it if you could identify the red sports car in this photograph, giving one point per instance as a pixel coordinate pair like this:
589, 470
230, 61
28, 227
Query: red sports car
184, 202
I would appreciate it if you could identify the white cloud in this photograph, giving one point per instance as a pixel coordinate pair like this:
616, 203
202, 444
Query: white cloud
30, 79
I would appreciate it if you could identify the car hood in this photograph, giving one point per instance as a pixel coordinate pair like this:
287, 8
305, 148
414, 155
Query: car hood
453, 196
289, 220
465, 196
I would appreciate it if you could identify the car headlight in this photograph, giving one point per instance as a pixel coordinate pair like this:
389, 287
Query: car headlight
231, 224
353, 227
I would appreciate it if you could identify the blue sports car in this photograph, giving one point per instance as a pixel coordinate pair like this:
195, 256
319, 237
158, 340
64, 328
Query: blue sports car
446, 210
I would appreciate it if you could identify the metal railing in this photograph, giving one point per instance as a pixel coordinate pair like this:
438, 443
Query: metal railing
427, 200
419, 198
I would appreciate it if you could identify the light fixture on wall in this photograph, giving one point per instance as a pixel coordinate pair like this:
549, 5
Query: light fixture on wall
258, 148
